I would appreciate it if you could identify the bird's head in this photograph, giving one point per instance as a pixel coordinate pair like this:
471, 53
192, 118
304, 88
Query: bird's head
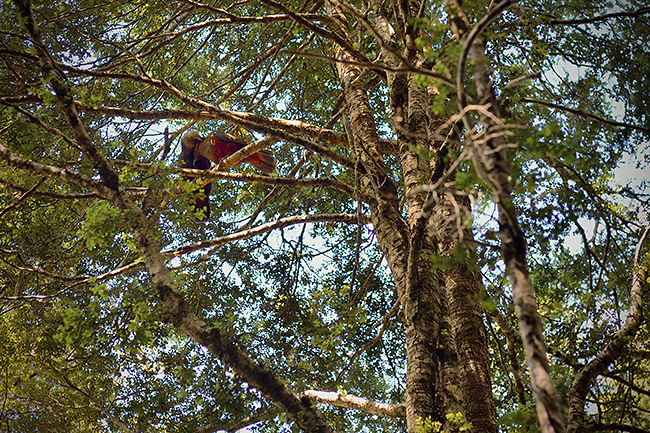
191, 138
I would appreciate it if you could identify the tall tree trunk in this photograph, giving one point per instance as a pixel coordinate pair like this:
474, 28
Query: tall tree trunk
491, 154
433, 373
420, 288
461, 285
464, 291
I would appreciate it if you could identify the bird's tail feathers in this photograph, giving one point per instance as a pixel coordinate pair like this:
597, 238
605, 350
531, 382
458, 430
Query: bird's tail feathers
263, 160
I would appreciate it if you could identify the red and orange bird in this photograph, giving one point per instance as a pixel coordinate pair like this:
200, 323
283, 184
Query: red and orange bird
197, 152
189, 159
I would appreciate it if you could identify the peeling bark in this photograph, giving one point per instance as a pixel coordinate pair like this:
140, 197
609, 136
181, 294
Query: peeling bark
418, 289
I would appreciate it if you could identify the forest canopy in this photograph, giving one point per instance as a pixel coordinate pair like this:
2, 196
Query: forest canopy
351, 216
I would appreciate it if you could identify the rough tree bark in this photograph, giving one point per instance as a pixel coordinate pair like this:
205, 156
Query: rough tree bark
420, 297
490, 153
433, 372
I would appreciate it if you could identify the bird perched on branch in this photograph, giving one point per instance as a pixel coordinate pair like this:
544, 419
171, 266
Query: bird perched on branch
189, 159
197, 152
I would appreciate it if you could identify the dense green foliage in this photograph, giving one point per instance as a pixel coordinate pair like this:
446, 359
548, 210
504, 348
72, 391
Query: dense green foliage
86, 351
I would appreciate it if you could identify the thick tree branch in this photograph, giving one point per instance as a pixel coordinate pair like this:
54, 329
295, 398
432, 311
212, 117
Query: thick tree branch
353, 402
91, 279
294, 127
262, 228
281, 130
69, 176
